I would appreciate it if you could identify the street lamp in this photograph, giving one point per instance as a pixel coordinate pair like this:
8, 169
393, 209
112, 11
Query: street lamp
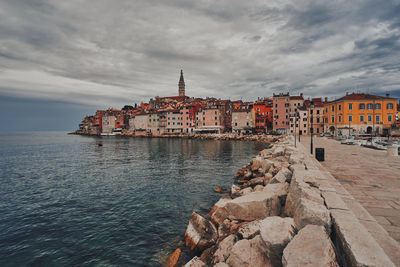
311, 128
295, 122
298, 114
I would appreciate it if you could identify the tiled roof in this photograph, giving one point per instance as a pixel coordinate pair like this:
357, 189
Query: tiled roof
355, 96
296, 97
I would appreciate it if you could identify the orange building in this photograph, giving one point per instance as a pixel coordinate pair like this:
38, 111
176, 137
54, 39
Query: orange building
359, 114
263, 115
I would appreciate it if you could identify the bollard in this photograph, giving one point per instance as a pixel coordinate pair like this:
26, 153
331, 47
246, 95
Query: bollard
320, 153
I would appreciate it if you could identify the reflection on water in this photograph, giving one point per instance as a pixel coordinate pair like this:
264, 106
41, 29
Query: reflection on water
65, 200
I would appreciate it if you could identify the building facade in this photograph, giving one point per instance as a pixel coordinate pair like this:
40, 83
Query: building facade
243, 121
359, 114
281, 106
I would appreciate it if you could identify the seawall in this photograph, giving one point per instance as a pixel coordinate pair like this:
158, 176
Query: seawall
227, 136
287, 210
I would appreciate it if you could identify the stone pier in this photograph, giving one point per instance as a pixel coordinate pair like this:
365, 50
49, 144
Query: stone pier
289, 210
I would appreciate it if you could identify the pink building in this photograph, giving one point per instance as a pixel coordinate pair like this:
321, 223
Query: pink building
209, 120
281, 106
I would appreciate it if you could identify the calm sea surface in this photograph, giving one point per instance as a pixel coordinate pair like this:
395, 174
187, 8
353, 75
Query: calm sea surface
66, 201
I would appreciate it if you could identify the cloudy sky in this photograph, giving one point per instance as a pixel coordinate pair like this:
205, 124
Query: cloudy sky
71, 57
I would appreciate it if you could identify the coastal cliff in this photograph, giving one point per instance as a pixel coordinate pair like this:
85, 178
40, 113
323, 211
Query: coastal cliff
283, 211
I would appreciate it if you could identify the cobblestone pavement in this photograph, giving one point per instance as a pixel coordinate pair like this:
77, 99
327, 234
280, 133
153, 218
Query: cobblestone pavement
369, 176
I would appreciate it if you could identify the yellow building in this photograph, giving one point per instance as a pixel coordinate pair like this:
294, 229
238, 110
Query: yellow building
358, 114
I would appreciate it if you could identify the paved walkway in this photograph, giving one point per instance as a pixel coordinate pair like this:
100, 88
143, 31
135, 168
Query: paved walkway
369, 176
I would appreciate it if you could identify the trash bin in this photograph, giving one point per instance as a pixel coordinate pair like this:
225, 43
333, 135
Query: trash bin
320, 153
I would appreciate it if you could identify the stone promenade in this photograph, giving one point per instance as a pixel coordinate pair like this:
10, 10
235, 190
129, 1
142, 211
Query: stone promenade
369, 176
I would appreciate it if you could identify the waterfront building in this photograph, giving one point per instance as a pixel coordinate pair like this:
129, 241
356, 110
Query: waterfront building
316, 116
360, 114
174, 121
281, 105
188, 113
243, 121
153, 125
141, 122
294, 103
132, 124
108, 122
209, 120
263, 115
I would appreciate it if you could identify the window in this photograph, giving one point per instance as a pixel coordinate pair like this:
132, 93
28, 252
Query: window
370, 106
340, 107
361, 106
389, 117
389, 106
377, 106
350, 118
361, 118
350, 106
333, 108
333, 118
216, 124
377, 118
318, 111
311, 111
317, 120
340, 118
369, 118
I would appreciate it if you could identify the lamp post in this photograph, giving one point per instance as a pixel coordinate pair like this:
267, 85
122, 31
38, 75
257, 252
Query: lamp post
298, 114
311, 128
295, 122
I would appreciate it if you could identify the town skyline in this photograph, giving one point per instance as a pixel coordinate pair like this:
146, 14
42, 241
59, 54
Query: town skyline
83, 55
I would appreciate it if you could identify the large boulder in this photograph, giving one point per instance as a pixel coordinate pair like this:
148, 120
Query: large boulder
248, 253
255, 205
256, 181
250, 230
259, 164
284, 175
297, 190
195, 262
200, 233
310, 212
310, 247
276, 232
234, 192
224, 248
278, 151
267, 178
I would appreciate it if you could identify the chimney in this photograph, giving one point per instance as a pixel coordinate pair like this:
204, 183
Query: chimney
387, 95
326, 99
347, 93
301, 94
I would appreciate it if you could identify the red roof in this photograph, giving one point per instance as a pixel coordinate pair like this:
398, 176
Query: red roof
355, 96
296, 97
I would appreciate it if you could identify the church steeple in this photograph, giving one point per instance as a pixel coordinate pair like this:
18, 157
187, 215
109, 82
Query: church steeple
181, 85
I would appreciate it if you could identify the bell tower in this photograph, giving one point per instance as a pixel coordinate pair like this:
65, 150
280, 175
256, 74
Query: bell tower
181, 85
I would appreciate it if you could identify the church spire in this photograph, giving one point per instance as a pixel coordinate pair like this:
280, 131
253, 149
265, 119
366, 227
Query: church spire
181, 85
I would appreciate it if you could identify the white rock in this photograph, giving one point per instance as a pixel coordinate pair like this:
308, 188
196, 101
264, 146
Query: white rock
310, 247
276, 232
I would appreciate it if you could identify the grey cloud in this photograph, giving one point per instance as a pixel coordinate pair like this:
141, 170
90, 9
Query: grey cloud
132, 50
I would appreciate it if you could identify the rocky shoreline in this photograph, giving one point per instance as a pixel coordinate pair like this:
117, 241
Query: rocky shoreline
227, 136
283, 211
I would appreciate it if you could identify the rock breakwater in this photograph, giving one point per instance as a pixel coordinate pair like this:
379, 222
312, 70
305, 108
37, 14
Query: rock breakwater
283, 211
